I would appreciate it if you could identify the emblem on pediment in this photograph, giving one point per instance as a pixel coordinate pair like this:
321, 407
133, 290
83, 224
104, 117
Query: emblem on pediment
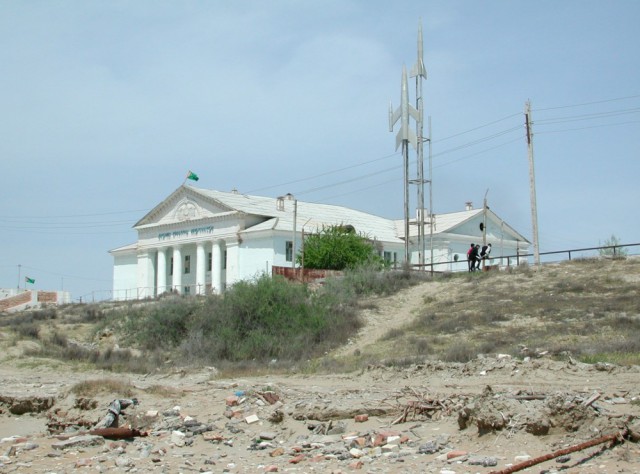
185, 211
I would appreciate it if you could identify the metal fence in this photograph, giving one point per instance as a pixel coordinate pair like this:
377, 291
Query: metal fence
505, 261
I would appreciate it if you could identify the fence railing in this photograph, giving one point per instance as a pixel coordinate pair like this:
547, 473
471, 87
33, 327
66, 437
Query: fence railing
611, 250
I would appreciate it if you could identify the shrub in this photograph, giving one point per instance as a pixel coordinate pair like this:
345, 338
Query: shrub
266, 319
612, 248
163, 325
336, 248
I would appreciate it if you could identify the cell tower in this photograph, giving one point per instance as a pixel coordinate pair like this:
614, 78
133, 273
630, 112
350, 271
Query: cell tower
405, 136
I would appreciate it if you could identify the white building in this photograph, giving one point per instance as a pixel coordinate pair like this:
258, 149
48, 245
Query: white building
199, 241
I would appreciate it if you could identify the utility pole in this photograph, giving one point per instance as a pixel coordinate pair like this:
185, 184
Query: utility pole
293, 250
431, 215
532, 183
484, 219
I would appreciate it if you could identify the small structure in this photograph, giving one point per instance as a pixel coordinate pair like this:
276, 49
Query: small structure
18, 300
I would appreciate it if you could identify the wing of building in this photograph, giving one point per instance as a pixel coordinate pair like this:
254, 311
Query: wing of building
199, 241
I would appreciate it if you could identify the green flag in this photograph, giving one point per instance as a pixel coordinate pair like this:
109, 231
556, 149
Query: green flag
29, 280
192, 176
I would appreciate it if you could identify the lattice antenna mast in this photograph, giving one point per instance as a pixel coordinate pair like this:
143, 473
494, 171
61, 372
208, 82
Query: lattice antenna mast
420, 72
405, 136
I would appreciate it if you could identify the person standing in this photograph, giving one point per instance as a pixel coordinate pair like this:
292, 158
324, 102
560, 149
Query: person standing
478, 257
474, 258
484, 254
469, 259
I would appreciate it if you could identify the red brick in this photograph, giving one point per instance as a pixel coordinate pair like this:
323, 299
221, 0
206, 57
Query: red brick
456, 454
231, 400
297, 459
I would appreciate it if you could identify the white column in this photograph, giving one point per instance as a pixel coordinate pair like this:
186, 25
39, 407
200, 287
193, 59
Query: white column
161, 285
176, 282
216, 268
233, 273
201, 262
146, 278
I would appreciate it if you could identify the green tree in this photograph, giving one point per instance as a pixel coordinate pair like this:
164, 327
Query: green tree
614, 251
336, 248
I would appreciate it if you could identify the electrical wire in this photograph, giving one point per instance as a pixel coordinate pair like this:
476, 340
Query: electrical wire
585, 128
538, 122
588, 103
593, 116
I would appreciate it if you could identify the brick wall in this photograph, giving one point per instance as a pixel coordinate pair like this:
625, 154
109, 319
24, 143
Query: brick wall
47, 297
17, 300
306, 275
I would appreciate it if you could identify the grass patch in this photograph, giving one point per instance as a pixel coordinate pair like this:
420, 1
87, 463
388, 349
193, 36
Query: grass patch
164, 391
91, 388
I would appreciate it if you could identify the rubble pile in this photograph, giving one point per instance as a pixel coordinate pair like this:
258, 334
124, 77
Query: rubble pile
215, 426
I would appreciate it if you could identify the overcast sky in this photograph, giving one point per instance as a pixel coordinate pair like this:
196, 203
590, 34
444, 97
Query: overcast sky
105, 106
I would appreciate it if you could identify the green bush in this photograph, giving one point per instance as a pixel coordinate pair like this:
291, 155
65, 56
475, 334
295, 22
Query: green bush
269, 318
613, 251
336, 248
160, 326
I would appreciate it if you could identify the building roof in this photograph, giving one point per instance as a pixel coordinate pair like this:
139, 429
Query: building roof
277, 214
311, 216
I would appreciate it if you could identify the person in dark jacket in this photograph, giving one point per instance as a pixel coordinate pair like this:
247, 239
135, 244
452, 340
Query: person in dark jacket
474, 258
469, 259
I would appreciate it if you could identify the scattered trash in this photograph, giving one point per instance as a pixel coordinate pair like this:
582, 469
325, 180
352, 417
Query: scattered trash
114, 411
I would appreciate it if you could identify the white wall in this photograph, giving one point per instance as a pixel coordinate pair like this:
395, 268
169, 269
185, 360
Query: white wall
256, 258
125, 276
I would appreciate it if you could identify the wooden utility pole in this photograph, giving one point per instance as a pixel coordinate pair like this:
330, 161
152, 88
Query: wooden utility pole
532, 183
293, 244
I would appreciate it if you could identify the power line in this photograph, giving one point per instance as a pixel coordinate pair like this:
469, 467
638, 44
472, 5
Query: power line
588, 103
62, 274
587, 128
73, 215
593, 116
324, 174
385, 157
476, 128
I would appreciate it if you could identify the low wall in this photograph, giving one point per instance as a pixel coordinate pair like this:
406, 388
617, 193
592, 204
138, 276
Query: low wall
305, 275
20, 299
33, 299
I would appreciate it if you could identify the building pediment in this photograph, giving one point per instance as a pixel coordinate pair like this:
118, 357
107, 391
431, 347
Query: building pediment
184, 205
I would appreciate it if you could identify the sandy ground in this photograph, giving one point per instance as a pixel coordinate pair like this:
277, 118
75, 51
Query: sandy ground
434, 417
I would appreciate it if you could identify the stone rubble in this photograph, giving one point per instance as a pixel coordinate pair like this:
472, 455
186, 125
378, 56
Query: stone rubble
279, 431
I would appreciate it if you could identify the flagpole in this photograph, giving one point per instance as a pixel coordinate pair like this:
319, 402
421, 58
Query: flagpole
19, 276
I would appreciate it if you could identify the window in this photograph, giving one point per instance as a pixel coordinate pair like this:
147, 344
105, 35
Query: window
224, 262
187, 264
171, 267
391, 257
210, 264
187, 290
288, 250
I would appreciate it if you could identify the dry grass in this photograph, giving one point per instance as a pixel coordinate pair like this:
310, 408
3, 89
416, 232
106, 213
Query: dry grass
91, 388
589, 309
